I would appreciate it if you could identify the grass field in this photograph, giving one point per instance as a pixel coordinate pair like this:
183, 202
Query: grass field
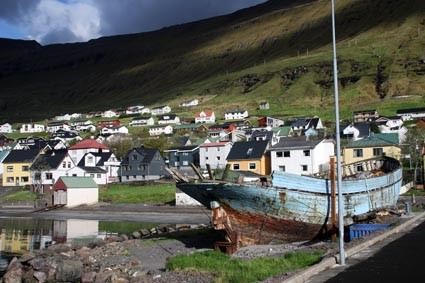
227, 269
150, 194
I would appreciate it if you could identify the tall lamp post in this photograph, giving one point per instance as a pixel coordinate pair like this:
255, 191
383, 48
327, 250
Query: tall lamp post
338, 147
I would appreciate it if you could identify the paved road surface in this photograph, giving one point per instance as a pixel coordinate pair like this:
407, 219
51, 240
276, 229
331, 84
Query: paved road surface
398, 258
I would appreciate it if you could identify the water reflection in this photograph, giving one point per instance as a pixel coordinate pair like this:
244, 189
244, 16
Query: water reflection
75, 230
21, 235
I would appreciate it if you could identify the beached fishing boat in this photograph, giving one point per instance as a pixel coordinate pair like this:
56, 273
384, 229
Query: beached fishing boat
295, 207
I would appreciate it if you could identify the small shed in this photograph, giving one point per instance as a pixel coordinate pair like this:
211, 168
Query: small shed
74, 191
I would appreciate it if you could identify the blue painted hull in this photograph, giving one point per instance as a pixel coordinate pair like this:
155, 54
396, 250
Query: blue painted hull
297, 207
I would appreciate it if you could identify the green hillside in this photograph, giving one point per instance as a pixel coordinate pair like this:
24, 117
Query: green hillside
278, 52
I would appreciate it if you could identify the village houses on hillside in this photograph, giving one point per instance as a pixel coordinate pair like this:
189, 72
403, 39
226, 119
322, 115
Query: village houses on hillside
299, 146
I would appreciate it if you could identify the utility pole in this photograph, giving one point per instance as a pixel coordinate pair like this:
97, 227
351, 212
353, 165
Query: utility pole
338, 147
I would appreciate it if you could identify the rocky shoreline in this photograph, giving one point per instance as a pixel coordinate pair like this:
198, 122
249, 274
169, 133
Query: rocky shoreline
139, 257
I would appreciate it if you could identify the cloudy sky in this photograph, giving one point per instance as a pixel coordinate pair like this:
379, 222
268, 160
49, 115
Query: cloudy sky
60, 21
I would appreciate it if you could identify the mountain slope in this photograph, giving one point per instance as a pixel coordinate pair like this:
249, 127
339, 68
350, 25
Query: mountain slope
279, 51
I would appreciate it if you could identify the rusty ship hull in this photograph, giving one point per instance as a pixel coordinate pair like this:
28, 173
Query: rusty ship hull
294, 207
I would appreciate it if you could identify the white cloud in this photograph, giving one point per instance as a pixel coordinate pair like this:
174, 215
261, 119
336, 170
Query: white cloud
60, 21
54, 21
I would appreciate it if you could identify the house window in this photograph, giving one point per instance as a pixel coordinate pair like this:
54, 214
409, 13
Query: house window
49, 176
378, 151
287, 154
218, 157
134, 157
206, 149
282, 168
279, 154
358, 152
37, 176
90, 159
9, 168
185, 153
10, 180
236, 166
92, 175
218, 149
69, 164
206, 157
304, 168
98, 176
185, 163
359, 167
306, 152
24, 179
252, 166
64, 164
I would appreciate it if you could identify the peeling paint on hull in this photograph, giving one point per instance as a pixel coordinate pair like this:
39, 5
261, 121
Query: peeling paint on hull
295, 207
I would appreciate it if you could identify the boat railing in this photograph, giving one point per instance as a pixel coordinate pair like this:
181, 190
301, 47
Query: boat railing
370, 164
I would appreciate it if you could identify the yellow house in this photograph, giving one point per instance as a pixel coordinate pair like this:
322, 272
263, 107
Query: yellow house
250, 156
371, 147
16, 167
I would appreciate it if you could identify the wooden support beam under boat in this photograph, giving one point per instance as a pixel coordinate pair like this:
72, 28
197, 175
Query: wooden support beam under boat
197, 172
210, 172
226, 170
176, 175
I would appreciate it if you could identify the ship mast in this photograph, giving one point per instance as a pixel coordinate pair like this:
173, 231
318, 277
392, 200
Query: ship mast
338, 147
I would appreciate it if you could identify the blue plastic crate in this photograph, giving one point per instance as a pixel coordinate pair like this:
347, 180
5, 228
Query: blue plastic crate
361, 230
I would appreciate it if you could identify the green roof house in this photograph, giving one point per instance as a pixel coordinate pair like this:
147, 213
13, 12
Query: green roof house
75, 191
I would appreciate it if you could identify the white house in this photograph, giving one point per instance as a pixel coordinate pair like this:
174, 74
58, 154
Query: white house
168, 119
264, 105
357, 130
301, 125
66, 136
159, 130
142, 121
161, 110
56, 126
48, 167
76, 115
235, 114
109, 114
214, 154
146, 111
102, 167
74, 191
189, 103
134, 109
32, 128
78, 150
392, 125
205, 117
301, 156
65, 117
83, 126
411, 114
78, 123
274, 122
6, 128
114, 130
